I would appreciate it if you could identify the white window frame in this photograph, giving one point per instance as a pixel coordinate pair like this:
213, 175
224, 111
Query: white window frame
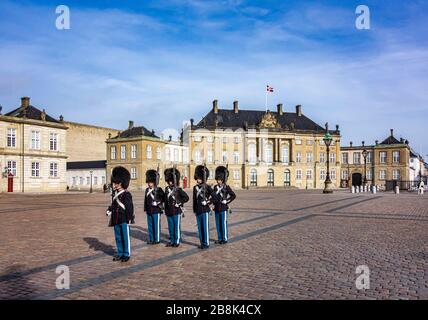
113, 152
395, 158
236, 157
309, 157
149, 151
298, 157
133, 173
133, 151
11, 137
11, 167
210, 156
123, 152
285, 154
53, 141
35, 139
35, 169
53, 169
298, 174
383, 157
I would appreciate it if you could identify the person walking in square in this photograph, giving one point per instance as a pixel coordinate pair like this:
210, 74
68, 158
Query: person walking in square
202, 196
121, 213
222, 196
153, 201
175, 198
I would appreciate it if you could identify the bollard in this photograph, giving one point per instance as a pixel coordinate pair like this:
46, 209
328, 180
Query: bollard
357, 189
374, 189
397, 190
361, 189
421, 191
352, 189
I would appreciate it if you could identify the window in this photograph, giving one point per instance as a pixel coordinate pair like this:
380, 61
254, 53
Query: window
210, 139
237, 140
236, 157
382, 157
88, 180
81, 181
322, 157
11, 167
357, 157
309, 142
224, 156
168, 154
270, 178
176, 155
210, 156
285, 154
396, 156
53, 169
369, 175
253, 177
308, 157
396, 174
269, 153
35, 169
332, 157
74, 181
11, 138
122, 152
252, 153
322, 174
298, 141
134, 151
103, 179
149, 151
369, 157
298, 174
333, 174
236, 174
95, 180
53, 141
298, 157
344, 175
158, 153
35, 140
198, 156
197, 138
322, 143
133, 173
113, 153
225, 140
382, 174
309, 174
345, 157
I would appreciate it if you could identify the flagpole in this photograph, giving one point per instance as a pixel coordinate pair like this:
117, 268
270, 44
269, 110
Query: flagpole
266, 92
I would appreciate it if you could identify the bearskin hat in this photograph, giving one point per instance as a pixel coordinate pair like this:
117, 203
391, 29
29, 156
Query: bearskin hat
221, 173
169, 175
199, 173
151, 176
121, 175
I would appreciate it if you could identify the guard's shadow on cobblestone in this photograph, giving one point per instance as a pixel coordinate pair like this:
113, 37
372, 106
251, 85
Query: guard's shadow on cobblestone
142, 234
97, 245
18, 286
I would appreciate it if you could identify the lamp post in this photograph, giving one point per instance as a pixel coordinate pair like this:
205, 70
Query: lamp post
327, 141
365, 164
90, 190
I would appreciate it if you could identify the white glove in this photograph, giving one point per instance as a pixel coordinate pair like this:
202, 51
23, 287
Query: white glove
204, 203
224, 202
108, 213
155, 203
177, 205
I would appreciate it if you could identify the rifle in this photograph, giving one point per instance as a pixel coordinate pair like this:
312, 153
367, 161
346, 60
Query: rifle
226, 177
204, 187
156, 187
174, 190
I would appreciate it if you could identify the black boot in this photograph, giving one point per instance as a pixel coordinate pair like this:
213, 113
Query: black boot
117, 258
125, 259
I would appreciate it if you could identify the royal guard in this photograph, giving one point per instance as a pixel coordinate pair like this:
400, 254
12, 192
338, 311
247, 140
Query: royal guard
121, 212
175, 198
222, 196
202, 196
153, 201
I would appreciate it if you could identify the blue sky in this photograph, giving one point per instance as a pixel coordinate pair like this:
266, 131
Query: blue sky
161, 62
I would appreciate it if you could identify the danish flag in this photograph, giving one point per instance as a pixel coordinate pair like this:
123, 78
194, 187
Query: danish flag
269, 88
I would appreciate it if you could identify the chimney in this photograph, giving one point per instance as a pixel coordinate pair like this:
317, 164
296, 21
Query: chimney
392, 132
401, 140
337, 128
170, 138
153, 132
362, 143
215, 106
131, 124
61, 118
377, 142
235, 106
191, 122
350, 144
25, 102
279, 109
299, 110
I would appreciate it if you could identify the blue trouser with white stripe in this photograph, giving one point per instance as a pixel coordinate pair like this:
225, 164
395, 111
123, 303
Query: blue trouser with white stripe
203, 228
174, 227
221, 224
153, 225
123, 243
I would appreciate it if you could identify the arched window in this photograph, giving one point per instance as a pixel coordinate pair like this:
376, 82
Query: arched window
269, 153
253, 177
287, 177
252, 153
285, 154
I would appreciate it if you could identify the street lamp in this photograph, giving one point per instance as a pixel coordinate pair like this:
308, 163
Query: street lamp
90, 190
365, 164
327, 141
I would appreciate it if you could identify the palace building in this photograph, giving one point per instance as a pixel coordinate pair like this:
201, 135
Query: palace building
32, 150
263, 148
389, 160
139, 149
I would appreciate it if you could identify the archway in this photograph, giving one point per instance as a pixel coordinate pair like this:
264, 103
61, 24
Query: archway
357, 179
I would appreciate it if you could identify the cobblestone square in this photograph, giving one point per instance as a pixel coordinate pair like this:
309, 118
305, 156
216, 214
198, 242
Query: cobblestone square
284, 244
